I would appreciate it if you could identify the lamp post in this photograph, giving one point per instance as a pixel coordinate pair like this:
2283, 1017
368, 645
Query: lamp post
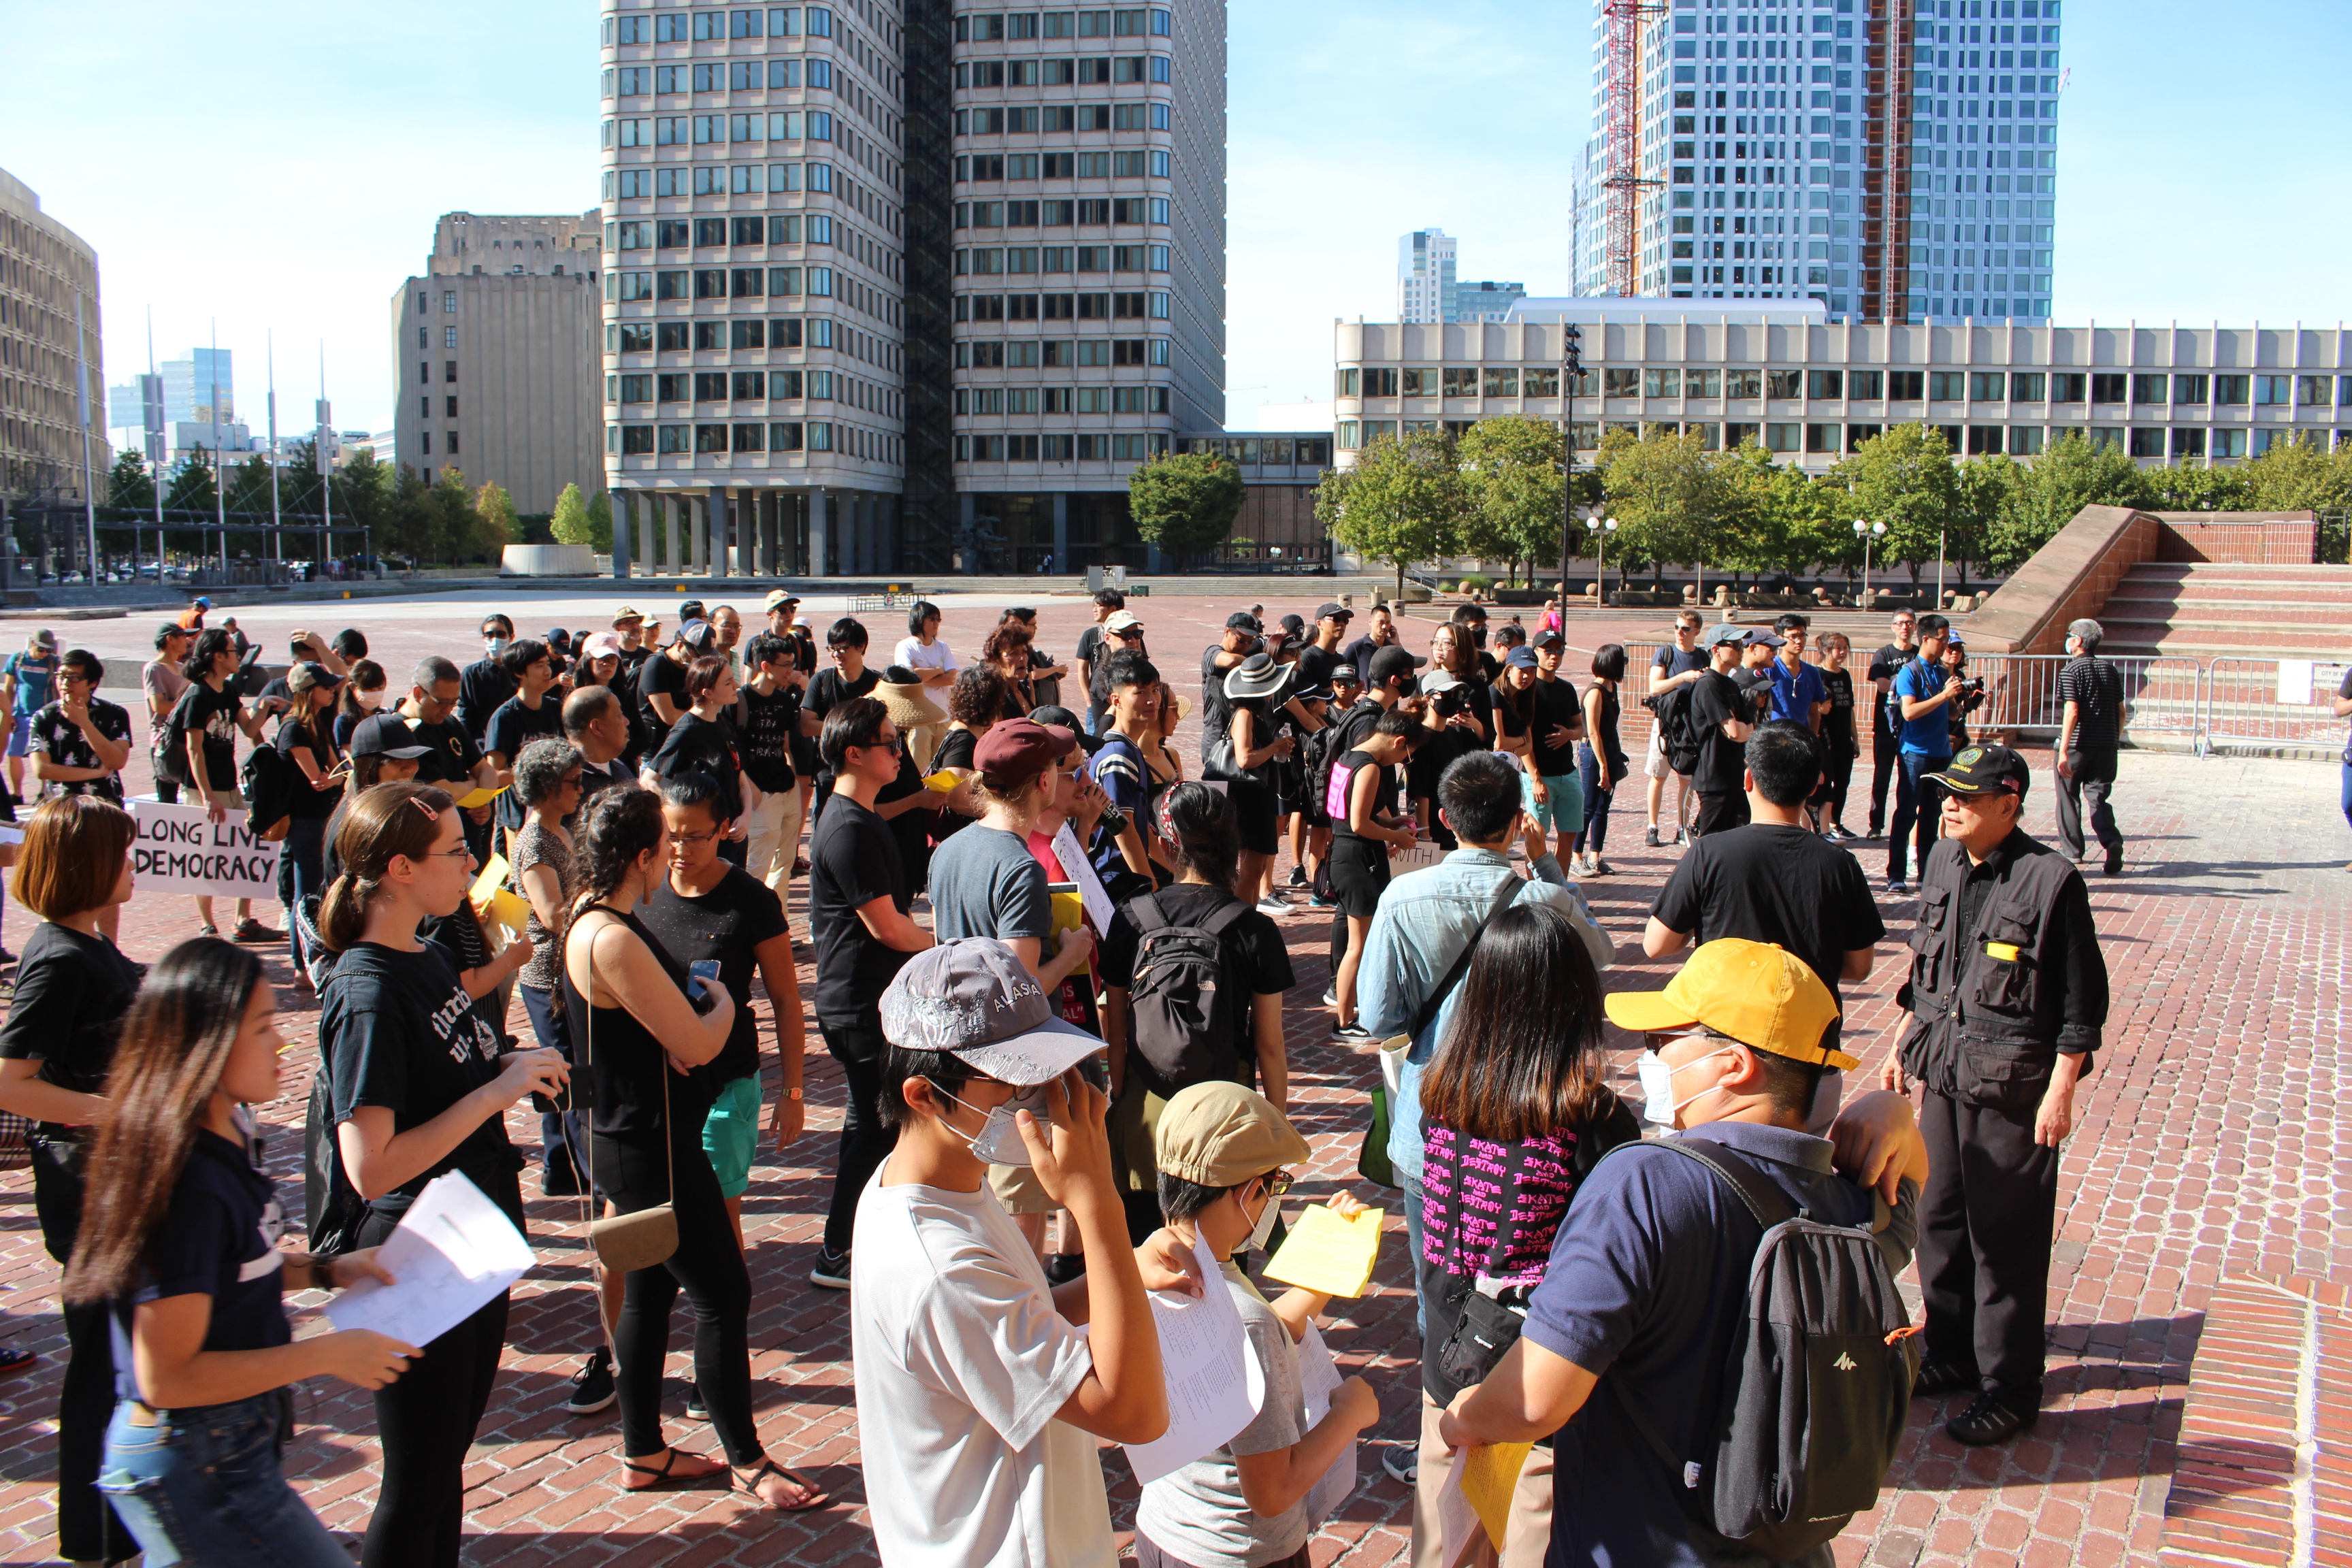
1865, 532
1600, 578
1572, 366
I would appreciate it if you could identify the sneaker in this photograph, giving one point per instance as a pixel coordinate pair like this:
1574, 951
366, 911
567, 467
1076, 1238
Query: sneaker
1330, 995
1317, 902
1298, 876
1272, 905
1350, 1032
1402, 1462
1595, 866
1834, 834
1061, 1268
695, 1409
591, 1386
561, 1181
1682, 837
1987, 1421
14, 1361
251, 929
1896, 887
212, 931
832, 1270
1650, 836
1938, 1378
2115, 866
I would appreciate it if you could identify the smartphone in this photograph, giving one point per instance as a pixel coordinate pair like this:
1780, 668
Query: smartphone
706, 972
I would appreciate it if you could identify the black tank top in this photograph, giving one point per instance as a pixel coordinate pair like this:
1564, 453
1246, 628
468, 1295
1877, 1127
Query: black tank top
624, 1065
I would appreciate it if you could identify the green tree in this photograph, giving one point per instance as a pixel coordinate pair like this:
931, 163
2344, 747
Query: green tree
1782, 522
570, 525
2049, 492
494, 518
1989, 486
2195, 486
2299, 477
412, 518
192, 489
362, 494
1670, 498
600, 523
1401, 502
1185, 502
457, 527
1512, 474
1905, 479
129, 487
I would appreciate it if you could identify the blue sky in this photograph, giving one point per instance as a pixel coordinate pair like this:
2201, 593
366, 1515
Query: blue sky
283, 173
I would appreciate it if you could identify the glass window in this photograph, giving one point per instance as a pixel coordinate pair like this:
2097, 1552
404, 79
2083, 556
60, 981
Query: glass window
1621, 382
1784, 383
1781, 438
2150, 388
1867, 385
1823, 438
1947, 385
2068, 387
1987, 386
2313, 391
2147, 441
2107, 388
1505, 383
1825, 384
2188, 389
2274, 389
1662, 383
1743, 384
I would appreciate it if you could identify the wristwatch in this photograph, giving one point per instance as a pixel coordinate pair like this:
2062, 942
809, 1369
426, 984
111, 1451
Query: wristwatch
793, 1093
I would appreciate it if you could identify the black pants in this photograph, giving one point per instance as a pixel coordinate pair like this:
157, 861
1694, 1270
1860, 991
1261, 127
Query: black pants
1918, 813
1837, 777
1719, 812
1985, 1224
87, 1528
1885, 747
708, 1265
2094, 776
865, 1142
425, 1422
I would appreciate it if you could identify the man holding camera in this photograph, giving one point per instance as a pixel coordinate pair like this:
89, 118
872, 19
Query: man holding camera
1922, 693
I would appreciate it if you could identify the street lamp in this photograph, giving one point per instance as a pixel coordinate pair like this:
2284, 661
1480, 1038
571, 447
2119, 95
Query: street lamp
1572, 366
1600, 578
1865, 532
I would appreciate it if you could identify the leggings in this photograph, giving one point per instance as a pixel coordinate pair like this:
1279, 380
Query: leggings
1837, 777
865, 1142
87, 1529
426, 1420
1594, 834
709, 1265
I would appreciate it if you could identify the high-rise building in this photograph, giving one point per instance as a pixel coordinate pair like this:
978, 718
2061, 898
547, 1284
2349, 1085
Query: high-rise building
200, 388
1894, 161
496, 348
1426, 281
52, 402
1485, 301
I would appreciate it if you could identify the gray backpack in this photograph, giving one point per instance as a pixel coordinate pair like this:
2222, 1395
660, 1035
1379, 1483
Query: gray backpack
1815, 1386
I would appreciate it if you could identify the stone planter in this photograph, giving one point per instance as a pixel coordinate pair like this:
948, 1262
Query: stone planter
547, 561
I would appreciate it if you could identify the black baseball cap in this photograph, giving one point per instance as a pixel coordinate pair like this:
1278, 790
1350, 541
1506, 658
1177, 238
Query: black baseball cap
1335, 612
1388, 663
1985, 770
1546, 638
385, 735
1242, 621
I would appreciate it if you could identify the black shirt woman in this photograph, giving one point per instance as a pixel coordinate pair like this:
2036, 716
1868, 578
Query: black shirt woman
306, 741
1600, 761
1366, 830
1254, 688
637, 1034
703, 742
417, 1089
179, 1244
73, 987
209, 714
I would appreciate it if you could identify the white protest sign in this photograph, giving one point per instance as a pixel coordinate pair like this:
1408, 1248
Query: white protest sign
180, 849
1099, 908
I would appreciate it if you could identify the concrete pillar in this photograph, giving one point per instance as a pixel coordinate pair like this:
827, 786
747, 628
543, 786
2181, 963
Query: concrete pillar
747, 532
673, 558
885, 535
1061, 531
964, 535
720, 534
624, 520
820, 561
770, 504
641, 518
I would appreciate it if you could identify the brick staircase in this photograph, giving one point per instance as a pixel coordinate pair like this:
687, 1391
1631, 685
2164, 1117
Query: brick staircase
2210, 609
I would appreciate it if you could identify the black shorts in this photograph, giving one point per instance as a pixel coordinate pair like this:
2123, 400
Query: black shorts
1255, 820
1359, 871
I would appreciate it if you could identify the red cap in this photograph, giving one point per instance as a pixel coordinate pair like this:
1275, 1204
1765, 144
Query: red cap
1015, 751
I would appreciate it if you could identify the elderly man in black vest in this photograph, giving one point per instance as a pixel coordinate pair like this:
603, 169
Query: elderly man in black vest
2007, 997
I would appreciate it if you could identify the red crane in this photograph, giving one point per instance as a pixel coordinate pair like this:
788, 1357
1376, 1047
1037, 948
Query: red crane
1622, 182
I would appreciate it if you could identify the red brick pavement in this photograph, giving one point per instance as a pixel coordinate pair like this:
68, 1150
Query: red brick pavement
2207, 1146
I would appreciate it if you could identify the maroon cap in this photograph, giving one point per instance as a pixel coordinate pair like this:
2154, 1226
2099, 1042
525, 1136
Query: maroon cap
1015, 751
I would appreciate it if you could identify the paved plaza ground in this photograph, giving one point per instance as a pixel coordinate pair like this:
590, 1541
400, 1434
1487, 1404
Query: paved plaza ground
2208, 1150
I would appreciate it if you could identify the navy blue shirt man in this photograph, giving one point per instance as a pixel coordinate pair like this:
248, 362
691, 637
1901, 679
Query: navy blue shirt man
1919, 698
1648, 1280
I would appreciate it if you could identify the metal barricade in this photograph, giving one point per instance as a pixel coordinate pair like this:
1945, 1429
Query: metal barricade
2161, 697
2272, 707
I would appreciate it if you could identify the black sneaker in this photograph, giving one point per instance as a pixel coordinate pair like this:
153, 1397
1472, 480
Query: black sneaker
1650, 838
832, 1270
1938, 1378
695, 1409
1298, 876
2115, 866
1061, 1268
591, 1386
561, 1181
1987, 1421
1350, 1032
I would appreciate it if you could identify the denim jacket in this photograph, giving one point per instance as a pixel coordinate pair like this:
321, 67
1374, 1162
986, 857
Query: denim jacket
1425, 919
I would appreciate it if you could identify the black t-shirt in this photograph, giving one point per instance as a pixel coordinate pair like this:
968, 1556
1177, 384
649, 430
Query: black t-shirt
219, 1237
955, 751
1216, 709
853, 861
1837, 725
1438, 751
699, 745
71, 993
769, 722
1510, 718
1554, 702
1343, 786
483, 687
1315, 664
728, 923
1478, 697
659, 675
1765, 882
1722, 761
214, 715
512, 727
1254, 961
451, 757
828, 690
317, 737
1885, 665
396, 1030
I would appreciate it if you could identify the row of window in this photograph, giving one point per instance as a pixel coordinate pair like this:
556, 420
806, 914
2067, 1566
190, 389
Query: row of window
720, 387
720, 129
1061, 400
722, 283
785, 436
1868, 385
741, 332
708, 27
1114, 70
1001, 166
1057, 449
720, 76
1055, 213
1021, 259
1049, 118
1834, 440
1137, 304
1055, 353
716, 180
993, 27
709, 233
1275, 452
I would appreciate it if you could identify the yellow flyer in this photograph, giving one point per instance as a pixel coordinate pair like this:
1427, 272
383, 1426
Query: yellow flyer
1328, 1253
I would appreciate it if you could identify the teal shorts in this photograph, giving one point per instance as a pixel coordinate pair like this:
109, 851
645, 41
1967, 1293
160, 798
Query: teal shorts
1564, 813
730, 1134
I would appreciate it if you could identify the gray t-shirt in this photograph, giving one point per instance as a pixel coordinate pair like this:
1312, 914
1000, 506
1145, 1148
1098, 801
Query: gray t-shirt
1198, 1514
984, 882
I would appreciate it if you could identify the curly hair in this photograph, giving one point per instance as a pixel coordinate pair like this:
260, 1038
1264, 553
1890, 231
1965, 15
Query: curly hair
617, 825
539, 768
977, 698
1008, 638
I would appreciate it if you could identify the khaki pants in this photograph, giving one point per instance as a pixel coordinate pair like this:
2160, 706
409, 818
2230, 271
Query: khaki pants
1528, 1535
773, 837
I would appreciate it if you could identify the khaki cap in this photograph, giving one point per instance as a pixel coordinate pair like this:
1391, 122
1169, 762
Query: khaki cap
1220, 1135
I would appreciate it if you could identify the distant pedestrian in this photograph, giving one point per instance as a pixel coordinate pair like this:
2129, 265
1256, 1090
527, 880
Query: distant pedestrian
1798, 692
1679, 664
1885, 718
2090, 731
1839, 745
1922, 694
26, 680
1600, 760
1724, 716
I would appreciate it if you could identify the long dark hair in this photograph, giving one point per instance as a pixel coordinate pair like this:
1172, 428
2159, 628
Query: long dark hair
617, 825
210, 644
175, 1045
1522, 1054
366, 676
1200, 826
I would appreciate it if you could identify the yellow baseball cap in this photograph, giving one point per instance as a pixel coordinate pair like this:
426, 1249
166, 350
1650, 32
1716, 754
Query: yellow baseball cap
1219, 1134
1758, 994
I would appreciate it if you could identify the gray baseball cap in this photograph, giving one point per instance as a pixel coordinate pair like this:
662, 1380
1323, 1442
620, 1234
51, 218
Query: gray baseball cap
973, 998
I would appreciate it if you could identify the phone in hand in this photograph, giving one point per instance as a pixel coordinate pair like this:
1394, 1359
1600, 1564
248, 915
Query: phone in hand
704, 974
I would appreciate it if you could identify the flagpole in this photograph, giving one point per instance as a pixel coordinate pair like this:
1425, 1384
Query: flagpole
155, 458
270, 363
324, 464
220, 470
82, 403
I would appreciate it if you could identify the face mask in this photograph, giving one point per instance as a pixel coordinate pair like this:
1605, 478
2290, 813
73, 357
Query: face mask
494, 646
372, 701
1659, 1106
999, 1139
1265, 1227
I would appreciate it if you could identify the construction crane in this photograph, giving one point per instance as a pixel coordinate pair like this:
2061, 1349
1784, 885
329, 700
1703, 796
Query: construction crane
1622, 182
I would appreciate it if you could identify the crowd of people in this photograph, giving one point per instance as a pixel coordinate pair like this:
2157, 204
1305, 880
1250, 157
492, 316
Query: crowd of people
1048, 1115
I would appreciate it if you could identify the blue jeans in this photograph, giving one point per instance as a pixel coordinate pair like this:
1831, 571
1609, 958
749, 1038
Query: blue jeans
1918, 809
304, 853
202, 1487
1595, 831
2347, 793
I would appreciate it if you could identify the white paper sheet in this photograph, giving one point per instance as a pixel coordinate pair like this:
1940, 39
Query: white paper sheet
1318, 1380
1073, 860
2294, 680
1419, 857
1458, 1527
1215, 1384
454, 1251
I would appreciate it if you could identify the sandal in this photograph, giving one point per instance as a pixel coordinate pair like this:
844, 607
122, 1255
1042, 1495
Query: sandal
766, 1467
663, 1481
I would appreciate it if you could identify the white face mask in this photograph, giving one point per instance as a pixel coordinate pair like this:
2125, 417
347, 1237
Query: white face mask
999, 1138
372, 701
494, 646
1659, 1106
1265, 1227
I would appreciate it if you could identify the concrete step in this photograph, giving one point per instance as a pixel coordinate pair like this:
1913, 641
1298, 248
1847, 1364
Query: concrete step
2119, 609
2248, 645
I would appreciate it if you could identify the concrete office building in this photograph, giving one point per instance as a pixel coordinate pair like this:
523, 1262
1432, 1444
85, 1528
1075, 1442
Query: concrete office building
1425, 276
52, 389
1895, 162
1811, 390
1280, 469
496, 347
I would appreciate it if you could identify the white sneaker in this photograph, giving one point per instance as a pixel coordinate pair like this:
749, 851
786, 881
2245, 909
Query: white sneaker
1271, 905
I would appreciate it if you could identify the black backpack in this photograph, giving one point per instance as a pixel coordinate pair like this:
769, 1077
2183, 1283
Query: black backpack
1815, 1386
1182, 1017
169, 748
268, 782
1677, 726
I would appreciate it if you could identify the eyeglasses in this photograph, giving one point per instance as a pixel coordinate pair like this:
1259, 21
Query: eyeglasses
568, 781
1132, 633
694, 838
1279, 1184
456, 852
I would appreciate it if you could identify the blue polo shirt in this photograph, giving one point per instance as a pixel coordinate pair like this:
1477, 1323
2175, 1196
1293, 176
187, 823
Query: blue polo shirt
1930, 734
1794, 692
219, 1238
1646, 1287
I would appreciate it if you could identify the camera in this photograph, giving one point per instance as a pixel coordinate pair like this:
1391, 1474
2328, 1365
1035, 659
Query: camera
1974, 687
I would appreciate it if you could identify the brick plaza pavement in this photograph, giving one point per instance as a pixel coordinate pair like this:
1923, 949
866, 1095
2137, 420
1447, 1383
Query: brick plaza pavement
2208, 1147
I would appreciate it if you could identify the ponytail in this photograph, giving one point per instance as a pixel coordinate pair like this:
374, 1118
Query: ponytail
378, 825
617, 825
